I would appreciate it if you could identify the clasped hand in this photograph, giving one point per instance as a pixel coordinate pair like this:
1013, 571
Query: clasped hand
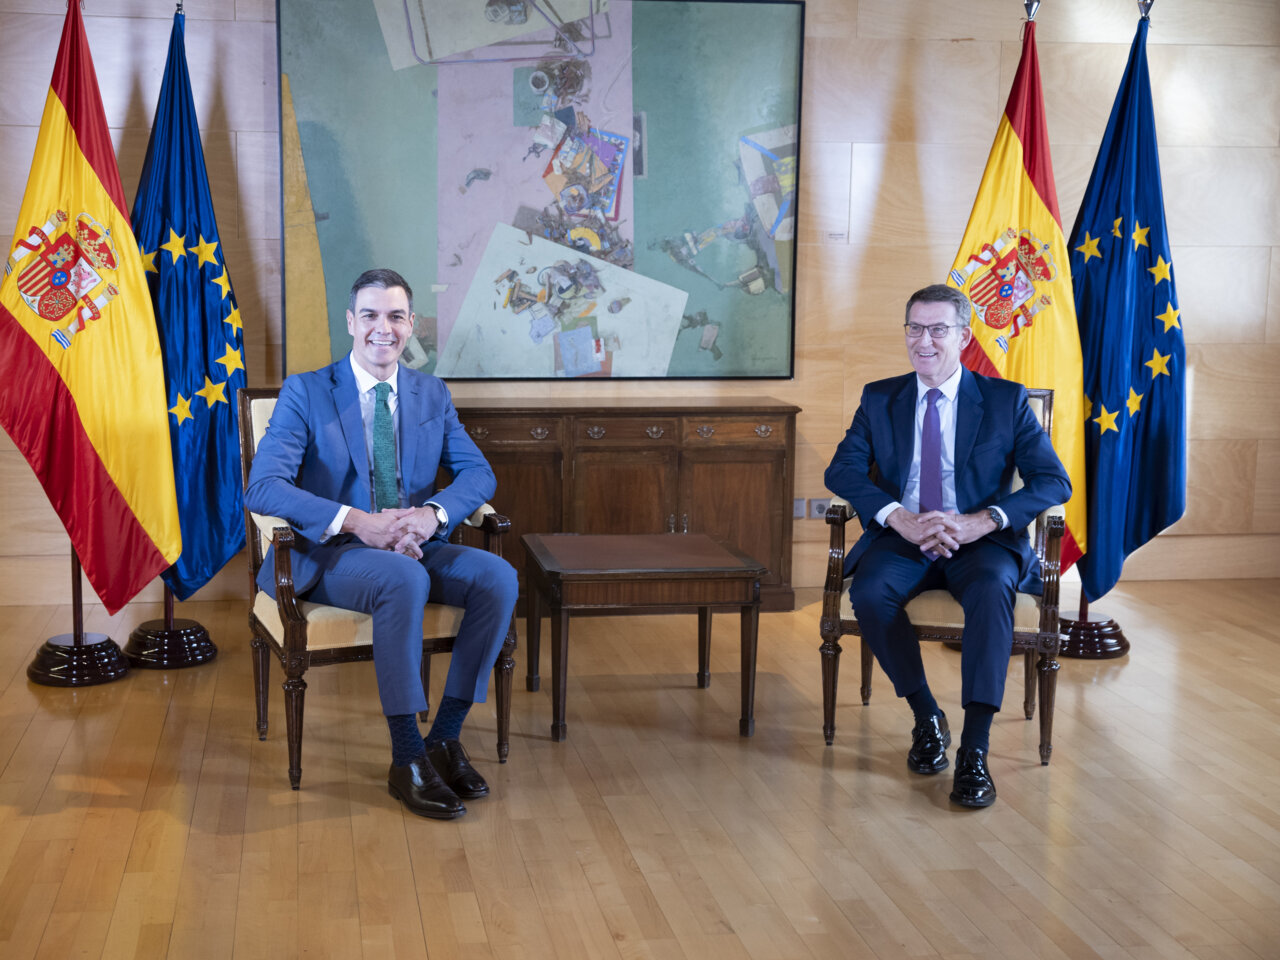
402, 529
938, 532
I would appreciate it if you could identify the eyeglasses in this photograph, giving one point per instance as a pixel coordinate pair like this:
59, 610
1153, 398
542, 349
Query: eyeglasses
939, 330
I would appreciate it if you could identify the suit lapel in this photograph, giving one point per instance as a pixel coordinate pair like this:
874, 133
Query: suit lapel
903, 414
410, 407
969, 413
346, 399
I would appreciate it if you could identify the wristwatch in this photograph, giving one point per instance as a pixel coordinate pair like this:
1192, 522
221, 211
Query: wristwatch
994, 514
442, 518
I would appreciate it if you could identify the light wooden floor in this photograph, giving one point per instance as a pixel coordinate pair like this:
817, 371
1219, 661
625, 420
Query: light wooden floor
144, 819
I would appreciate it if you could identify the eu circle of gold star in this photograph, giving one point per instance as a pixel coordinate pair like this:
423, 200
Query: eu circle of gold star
1161, 270
206, 251
1159, 363
231, 360
181, 409
1169, 318
1089, 248
1134, 403
1139, 237
177, 246
213, 392
1107, 420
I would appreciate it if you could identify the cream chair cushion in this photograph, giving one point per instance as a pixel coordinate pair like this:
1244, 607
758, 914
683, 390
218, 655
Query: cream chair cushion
330, 627
937, 608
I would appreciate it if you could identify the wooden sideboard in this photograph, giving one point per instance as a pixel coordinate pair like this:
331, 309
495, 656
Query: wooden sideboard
724, 467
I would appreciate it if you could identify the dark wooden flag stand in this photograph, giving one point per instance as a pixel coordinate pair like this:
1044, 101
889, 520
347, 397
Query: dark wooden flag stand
1092, 636
77, 659
169, 644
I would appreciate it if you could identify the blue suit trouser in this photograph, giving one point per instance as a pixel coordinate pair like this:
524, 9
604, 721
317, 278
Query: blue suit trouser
983, 578
394, 589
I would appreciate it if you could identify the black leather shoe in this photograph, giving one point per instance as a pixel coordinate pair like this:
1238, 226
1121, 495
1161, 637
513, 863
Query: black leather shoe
929, 741
973, 786
450, 759
420, 789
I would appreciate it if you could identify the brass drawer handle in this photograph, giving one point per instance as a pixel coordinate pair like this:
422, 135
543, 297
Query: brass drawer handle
706, 431
595, 431
539, 433
764, 430
655, 432
479, 433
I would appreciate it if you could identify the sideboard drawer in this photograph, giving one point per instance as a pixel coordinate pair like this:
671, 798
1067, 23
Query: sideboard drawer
538, 431
767, 430
652, 431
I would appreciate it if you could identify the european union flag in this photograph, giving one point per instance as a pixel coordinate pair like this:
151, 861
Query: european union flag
1131, 339
200, 329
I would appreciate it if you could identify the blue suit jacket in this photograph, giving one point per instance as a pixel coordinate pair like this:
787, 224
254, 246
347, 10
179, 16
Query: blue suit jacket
313, 460
996, 433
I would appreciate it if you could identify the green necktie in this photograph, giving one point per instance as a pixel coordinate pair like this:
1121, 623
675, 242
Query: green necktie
385, 493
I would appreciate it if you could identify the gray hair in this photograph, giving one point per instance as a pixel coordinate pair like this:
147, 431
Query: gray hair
941, 293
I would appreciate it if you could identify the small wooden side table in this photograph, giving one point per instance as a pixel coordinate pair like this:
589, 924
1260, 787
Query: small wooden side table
637, 573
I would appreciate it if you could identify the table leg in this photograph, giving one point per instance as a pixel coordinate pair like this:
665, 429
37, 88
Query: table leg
704, 647
559, 669
750, 631
533, 635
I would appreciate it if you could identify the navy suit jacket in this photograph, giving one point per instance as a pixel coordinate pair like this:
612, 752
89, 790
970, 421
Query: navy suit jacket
313, 460
996, 433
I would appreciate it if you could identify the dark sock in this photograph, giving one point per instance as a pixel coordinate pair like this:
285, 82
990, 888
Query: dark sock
977, 726
448, 722
406, 738
923, 705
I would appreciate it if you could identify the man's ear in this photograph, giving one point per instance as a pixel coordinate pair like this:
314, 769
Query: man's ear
966, 334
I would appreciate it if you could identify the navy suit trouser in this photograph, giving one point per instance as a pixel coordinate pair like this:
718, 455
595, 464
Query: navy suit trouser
394, 589
982, 576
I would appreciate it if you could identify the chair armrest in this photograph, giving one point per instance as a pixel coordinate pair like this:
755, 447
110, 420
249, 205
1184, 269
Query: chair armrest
839, 513
282, 538
266, 525
1054, 524
492, 524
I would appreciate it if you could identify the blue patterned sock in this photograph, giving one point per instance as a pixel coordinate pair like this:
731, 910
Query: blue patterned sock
923, 705
406, 739
977, 725
448, 722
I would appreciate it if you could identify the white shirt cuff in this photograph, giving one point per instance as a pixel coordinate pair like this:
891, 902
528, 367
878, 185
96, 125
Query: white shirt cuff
335, 525
882, 517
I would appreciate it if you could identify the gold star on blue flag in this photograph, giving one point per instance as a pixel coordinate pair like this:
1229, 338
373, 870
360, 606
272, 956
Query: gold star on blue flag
192, 295
1130, 338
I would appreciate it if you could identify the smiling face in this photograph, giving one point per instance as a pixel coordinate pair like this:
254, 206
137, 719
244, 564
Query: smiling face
380, 324
936, 360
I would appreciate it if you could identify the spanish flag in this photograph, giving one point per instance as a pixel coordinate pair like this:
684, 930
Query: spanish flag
81, 379
1013, 266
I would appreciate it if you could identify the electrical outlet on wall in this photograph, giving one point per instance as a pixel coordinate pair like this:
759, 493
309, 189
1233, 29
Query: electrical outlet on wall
818, 507
797, 508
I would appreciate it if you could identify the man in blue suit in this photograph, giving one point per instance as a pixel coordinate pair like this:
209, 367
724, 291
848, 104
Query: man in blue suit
928, 464
350, 459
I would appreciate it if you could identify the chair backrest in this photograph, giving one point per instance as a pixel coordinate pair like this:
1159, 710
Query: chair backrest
256, 405
1041, 402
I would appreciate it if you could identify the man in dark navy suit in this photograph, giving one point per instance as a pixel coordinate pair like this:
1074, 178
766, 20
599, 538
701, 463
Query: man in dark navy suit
350, 459
938, 512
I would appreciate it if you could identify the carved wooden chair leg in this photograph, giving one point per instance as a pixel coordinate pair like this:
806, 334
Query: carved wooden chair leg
503, 670
295, 689
1029, 684
831, 651
1048, 693
868, 658
426, 685
261, 674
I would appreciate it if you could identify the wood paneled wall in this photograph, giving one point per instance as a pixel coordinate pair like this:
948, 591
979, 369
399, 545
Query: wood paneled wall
901, 101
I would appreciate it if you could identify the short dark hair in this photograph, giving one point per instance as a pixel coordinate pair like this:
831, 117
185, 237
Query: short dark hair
379, 277
941, 293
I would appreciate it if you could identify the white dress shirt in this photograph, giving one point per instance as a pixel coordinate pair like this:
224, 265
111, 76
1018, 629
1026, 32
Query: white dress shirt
946, 405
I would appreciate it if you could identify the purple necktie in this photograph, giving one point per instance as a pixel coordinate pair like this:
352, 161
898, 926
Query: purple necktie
931, 455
